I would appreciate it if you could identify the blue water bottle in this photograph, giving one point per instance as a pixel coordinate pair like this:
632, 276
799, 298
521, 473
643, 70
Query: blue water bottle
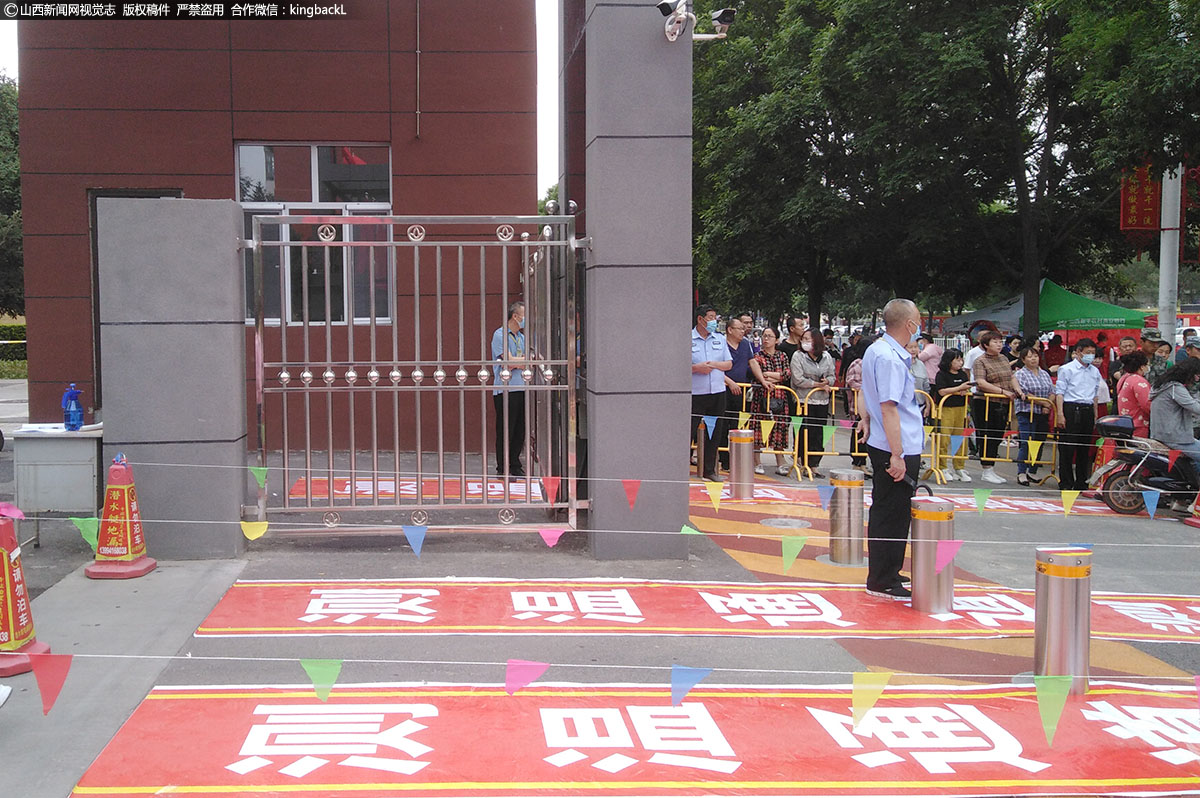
72, 410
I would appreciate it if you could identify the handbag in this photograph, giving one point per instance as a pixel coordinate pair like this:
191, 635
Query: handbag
778, 406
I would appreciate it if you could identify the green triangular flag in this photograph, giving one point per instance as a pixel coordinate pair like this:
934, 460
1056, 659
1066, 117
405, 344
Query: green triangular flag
89, 528
796, 422
981, 497
1052, 694
687, 530
260, 475
792, 544
324, 673
828, 438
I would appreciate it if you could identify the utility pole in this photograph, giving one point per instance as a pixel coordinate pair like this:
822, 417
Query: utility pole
1168, 252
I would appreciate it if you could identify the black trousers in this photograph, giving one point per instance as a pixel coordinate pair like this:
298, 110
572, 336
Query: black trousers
1074, 446
510, 439
709, 404
814, 432
887, 524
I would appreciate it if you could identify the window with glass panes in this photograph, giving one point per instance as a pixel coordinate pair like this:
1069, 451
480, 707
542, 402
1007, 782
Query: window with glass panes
318, 180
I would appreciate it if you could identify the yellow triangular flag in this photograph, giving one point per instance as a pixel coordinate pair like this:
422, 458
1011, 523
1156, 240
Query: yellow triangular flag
714, 493
742, 419
1068, 499
868, 687
253, 530
767, 426
1034, 448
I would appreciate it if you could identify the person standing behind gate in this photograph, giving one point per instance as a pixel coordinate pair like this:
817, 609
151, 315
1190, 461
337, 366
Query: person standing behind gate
895, 435
510, 433
741, 353
1075, 396
710, 360
813, 374
995, 389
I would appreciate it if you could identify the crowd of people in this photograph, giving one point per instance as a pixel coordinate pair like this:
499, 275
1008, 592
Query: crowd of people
975, 394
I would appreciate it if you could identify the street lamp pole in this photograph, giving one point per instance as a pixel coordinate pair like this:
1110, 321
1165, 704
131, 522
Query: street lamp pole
1168, 251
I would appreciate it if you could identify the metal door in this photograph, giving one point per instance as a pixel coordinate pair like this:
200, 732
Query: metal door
374, 384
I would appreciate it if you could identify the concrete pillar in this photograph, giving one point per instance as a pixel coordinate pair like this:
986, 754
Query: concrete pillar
638, 213
173, 357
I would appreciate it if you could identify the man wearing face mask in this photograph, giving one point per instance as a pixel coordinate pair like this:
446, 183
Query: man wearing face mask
710, 360
1075, 396
510, 397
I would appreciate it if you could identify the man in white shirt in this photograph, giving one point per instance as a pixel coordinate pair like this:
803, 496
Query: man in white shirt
1075, 395
710, 360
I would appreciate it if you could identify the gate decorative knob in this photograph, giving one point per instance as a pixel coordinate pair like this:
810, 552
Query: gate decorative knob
461, 375
372, 376
417, 376
284, 377
528, 375
329, 376
395, 376
306, 377
505, 375
483, 375
326, 232
439, 375
351, 376
548, 375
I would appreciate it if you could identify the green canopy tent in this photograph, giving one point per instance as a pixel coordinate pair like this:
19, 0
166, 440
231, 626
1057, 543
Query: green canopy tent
1059, 309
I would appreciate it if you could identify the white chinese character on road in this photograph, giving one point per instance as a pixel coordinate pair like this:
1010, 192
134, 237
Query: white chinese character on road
777, 609
355, 604
1163, 617
934, 736
1160, 727
661, 730
989, 610
596, 605
314, 731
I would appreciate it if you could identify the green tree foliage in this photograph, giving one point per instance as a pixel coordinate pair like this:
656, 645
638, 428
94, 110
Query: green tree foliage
12, 277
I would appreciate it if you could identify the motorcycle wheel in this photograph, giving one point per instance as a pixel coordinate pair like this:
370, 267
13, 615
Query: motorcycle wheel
1120, 495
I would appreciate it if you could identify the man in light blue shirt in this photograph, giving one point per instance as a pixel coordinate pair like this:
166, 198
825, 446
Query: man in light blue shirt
895, 435
1075, 396
710, 360
508, 396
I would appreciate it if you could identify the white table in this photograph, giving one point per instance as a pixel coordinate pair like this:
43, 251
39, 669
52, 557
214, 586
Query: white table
57, 471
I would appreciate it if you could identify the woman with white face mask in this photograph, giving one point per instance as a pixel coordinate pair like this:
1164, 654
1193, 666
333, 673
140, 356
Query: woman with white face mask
1075, 397
813, 374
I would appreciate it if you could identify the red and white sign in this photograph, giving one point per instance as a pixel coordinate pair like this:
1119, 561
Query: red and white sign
386, 487
628, 607
16, 619
372, 741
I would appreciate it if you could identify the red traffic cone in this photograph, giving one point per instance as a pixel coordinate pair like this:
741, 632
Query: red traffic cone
120, 544
17, 640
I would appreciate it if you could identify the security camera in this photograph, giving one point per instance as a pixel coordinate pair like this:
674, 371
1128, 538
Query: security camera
722, 19
666, 7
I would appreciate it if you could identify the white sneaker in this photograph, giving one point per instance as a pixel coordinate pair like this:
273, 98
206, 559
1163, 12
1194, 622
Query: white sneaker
990, 475
949, 475
758, 469
963, 475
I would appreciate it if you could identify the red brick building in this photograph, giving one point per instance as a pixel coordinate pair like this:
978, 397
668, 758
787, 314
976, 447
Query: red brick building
402, 107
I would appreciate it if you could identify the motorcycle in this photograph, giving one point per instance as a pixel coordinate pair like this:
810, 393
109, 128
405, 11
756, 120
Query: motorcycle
1141, 464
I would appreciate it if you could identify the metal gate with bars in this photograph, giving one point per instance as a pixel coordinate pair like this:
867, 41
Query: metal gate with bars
374, 367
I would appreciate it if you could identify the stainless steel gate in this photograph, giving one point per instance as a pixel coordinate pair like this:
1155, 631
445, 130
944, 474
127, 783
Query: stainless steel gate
374, 366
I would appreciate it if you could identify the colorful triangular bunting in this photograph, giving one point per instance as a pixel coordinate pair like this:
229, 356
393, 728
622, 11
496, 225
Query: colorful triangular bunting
551, 486
415, 535
868, 686
1052, 694
89, 528
631, 490
683, 679
743, 418
710, 422
827, 436
253, 530
519, 673
1035, 448
825, 492
1172, 456
981, 497
1068, 500
767, 426
946, 549
323, 673
1150, 497
688, 530
956, 442
260, 475
50, 671
797, 421
551, 536
792, 544
714, 494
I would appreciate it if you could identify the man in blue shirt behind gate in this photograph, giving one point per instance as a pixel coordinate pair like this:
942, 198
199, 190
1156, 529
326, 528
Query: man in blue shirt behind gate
895, 435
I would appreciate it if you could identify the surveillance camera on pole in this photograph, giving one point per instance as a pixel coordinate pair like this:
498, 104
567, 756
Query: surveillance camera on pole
678, 17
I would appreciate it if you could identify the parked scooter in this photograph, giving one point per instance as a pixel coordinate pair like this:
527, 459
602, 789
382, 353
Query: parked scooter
1140, 464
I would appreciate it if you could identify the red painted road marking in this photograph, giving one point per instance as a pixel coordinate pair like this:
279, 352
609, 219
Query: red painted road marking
388, 740
628, 607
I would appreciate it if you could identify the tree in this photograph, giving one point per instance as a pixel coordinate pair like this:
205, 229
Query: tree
12, 276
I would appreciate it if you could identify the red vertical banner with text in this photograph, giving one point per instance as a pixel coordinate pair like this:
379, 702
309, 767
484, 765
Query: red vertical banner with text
1141, 199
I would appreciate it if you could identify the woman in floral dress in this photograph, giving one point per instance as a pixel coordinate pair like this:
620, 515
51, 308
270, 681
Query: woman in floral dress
771, 369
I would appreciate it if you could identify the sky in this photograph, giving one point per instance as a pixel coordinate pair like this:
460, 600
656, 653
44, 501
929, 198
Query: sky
547, 76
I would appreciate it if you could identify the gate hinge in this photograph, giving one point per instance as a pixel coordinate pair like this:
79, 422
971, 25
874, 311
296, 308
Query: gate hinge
582, 243
246, 243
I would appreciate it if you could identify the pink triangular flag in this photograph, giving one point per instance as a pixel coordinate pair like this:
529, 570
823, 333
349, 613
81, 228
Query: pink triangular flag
11, 511
551, 485
946, 549
50, 670
551, 536
631, 490
521, 672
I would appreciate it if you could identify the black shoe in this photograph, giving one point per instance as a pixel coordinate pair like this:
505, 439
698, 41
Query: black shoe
895, 592
713, 478
518, 473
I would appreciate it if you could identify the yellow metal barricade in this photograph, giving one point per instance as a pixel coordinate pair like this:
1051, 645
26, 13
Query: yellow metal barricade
1050, 443
745, 417
832, 391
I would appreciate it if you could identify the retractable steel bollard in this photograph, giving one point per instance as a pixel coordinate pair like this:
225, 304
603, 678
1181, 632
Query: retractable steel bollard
846, 517
932, 520
741, 463
701, 434
1063, 614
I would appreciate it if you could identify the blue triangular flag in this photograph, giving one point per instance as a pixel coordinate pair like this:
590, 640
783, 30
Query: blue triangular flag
1150, 497
826, 493
955, 442
415, 536
711, 423
1088, 546
684, 679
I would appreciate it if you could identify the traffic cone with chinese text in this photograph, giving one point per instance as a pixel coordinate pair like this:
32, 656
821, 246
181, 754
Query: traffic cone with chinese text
17, 640
120, 545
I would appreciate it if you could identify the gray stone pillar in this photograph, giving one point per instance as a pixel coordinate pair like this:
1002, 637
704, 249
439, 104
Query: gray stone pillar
638, 211
173, 359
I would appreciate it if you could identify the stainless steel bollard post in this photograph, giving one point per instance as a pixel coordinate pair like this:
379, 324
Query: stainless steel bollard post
701, 434
1063, 614
846, 517
741, 463
932, 520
